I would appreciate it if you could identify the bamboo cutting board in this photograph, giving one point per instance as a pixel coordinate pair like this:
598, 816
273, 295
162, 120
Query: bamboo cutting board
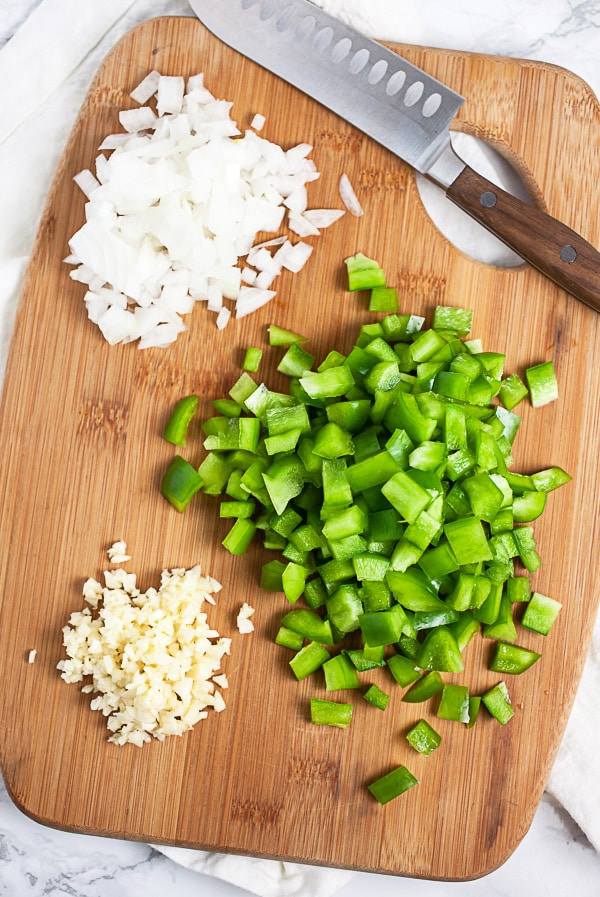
82, 462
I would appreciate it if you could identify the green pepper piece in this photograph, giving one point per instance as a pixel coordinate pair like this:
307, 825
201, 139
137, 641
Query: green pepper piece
455, 427
439, 651
468, 540
405, 414
296, 361
497, 702
239, 537
252, 359
464, 629
454, 703
350, 415
413, 590
405, 495
331, 442
503, 627
484, 496
392, 785
282, 443
243, 388
279, 336
550, 479
372, 471
426, 345
528, 506
375, 696
344, 608
332, 360
439, 561
330, 713
370, 566
293, 580
424, 688
271, 576
474, 706
382, 627
340, 674
328, 384
375, 595
337, 492
423, 738
431, 618
237, 508
403, 669
309, 624
365, 658
384, 299
308, 659
283, 480
513, 659
542, 383
540, 613
448, 317
363, 273
227, 407
215, 471
518, 588
512, 391
527, 548
178, 424
180, 483
288, 639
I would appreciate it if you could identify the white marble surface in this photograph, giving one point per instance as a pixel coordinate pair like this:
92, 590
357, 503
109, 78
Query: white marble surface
554, 858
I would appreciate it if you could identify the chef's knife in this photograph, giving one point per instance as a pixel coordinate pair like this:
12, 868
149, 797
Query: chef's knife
404, 109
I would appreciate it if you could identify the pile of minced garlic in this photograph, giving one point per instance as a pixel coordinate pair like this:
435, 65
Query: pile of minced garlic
150, 658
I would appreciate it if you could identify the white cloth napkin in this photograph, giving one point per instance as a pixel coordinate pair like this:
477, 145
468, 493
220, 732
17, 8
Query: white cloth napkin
45, 70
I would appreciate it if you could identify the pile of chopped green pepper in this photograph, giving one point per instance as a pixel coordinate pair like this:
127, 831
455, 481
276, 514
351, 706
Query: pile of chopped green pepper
383, 479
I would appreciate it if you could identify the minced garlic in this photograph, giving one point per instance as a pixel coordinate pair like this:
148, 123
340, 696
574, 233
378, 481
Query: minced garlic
244, 623
148, 657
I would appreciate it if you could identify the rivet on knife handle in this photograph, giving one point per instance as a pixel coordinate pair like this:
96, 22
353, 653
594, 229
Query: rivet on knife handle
547, 244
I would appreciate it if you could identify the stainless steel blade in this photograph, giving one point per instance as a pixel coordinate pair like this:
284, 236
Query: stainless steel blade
373, 88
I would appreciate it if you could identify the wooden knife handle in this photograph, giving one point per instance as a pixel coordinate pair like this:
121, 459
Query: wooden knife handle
551, 247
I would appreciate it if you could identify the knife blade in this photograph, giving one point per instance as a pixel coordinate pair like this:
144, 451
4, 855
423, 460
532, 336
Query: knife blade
404, 109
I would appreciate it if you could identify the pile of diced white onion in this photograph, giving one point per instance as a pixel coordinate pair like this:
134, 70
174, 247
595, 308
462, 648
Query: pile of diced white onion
176, 201
150, 658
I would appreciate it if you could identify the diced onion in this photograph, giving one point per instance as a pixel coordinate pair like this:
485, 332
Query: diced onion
182, 193
349, 197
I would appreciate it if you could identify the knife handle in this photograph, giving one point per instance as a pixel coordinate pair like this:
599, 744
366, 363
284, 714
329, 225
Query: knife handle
547, 244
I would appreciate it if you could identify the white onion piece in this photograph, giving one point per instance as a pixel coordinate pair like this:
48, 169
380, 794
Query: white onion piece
223, 317
176, 203
294, 256
170, 94
349, 197
300, 225
86, 181
258, 122
146, 88
249, 276
323, 217
137, 119
250, 299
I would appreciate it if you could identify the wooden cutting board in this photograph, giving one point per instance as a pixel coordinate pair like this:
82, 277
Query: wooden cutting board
82, 460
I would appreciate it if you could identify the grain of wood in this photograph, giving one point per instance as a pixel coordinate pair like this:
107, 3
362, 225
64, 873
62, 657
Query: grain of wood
83, 457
